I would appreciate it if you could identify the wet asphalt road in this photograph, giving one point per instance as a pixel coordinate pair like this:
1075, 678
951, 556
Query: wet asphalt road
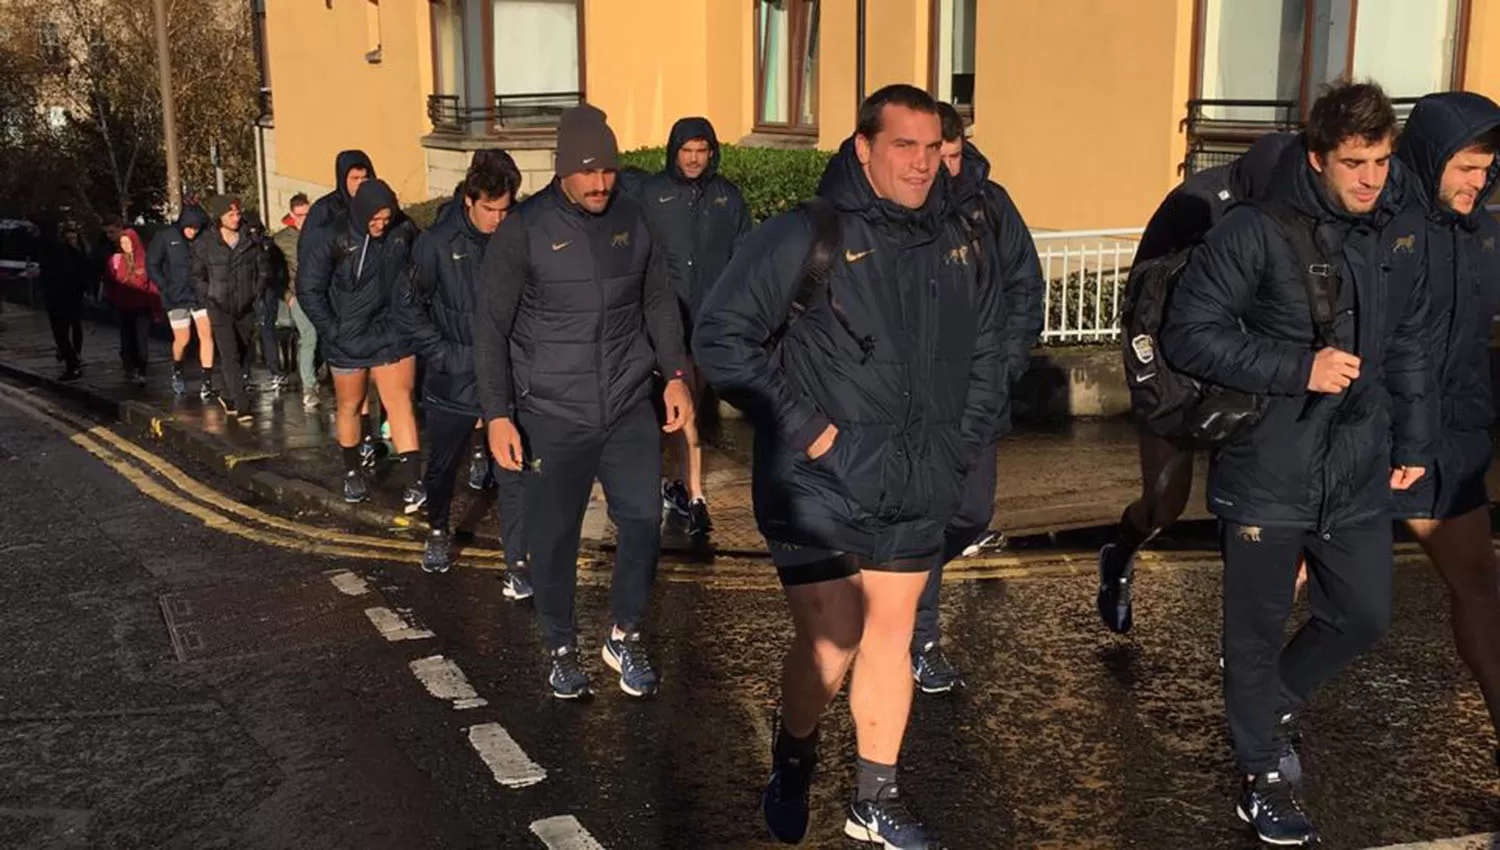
320, 736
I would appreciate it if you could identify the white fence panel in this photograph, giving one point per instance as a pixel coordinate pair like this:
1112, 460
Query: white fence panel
1086, 271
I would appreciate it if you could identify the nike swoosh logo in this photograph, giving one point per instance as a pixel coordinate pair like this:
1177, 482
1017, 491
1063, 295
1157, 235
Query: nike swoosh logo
667, 199
459, 256
850, 256
1141, 379
558, 246
588, 160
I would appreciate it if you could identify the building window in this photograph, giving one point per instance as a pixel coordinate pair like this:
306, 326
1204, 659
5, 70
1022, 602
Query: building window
1410, 48
953, 41
786, 64
1251, 51
504, 64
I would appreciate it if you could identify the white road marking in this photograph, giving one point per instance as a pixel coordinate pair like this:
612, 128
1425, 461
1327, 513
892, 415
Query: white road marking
348, 583
444, 680
511, 767
392, 627
1480, 841
564, 832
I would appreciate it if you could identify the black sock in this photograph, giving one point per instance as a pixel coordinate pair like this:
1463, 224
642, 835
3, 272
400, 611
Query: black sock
790, 747
365, 431
409, 468
351, 458
208, 375
177, 368
871, 778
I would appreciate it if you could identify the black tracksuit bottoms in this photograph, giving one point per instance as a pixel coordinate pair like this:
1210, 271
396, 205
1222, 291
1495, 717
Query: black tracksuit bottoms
234, 343
971, 521
1349, 586
565, 459
449, 437
135, 338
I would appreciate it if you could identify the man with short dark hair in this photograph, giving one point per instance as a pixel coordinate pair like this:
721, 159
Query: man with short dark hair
870, 411
437, 315
1315, 299
696, 214
1449, 144
230, 271
1009, 255
169, 264
573, 316
288, 240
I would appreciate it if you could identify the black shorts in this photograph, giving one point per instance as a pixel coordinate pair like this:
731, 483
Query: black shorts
797, 565
1454, 484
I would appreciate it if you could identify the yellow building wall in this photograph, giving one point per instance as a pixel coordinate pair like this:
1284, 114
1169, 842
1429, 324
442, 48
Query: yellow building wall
647, 65
1482, 65
836, 65
897, 47
730, 68
328, 98
1079, 113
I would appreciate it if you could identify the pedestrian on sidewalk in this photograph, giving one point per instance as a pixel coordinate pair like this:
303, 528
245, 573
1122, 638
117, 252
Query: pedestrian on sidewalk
574, 313
1009, 258
271, 314
695, 215
230, 271
169, 262
1315, 299
287, 241
348, 282
1450, 145
861, 338
134, 297
1184, 217
65, 271
437, 315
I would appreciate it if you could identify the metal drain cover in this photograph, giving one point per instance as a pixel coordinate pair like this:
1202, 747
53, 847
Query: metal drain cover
258, 617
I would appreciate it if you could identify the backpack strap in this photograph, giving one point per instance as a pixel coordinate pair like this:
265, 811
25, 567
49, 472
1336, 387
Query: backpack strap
817, 273
1319, 276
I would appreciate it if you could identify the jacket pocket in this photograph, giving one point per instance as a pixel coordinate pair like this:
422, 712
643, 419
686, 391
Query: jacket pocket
854, 467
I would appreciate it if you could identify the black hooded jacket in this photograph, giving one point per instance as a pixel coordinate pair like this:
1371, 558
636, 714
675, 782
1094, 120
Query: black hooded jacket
697, 221
913, 413
1240, 317
437, 310
169, 260
335, 204
349, 282
574, 313
1012, 260
229, 278
1463, 276
1201, 200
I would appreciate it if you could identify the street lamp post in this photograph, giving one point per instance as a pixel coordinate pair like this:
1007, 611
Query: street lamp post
168, 109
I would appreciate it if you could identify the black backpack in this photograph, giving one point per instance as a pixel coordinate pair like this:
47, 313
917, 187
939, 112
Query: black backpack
1182, 408
817, 269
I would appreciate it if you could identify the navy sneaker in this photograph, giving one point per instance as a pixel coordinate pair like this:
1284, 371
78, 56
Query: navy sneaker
1287, 738
932, 670
516, 583
628, 657
1116, 571
784, 802
699, 524
888, 822
568, 679
1269, 803
355, 488
674, 497
179, 386
479, 471
206, 390
413, 498
988, 543
368, 454
437, 553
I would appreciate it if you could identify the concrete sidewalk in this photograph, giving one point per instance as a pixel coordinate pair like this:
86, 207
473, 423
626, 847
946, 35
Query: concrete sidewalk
1076, 476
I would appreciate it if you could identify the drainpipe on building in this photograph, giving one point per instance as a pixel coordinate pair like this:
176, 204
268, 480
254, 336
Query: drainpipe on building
859, 54
260, 173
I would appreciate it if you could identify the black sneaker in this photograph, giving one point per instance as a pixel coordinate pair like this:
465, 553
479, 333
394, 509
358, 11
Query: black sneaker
516, 583
179, 385
1287, 739
355, 488
206, 390
628, 657
1269, 804
72, 373
1116, 571
699, 523
479, 471
413, 498
437, 554
568, 680
674, 497
988, 543
368, 454
784, 802
888, 822
932, 670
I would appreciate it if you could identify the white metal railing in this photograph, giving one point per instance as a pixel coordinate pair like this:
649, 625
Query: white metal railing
1086, 271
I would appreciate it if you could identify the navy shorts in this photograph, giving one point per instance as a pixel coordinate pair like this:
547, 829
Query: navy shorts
796, 565
1454, 485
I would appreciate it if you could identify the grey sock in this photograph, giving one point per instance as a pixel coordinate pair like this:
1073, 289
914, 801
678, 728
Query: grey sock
871, 778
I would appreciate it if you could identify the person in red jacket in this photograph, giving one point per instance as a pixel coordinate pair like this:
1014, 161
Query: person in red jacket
134, 297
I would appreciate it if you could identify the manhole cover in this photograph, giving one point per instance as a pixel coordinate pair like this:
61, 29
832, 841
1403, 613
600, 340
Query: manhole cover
257, 617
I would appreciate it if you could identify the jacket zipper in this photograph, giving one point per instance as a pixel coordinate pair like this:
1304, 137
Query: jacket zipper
599, 342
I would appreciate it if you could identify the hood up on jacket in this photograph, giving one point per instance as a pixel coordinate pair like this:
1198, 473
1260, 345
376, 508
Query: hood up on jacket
373, 196
684, 131
1250, 175
845, 185
1440, 126
192, 216
346, 162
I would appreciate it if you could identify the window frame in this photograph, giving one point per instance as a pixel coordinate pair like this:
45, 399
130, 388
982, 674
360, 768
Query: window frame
797, 54
491, 125
935, 54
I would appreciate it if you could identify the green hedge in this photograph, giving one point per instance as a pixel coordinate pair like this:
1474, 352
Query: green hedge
773, 181
424, 213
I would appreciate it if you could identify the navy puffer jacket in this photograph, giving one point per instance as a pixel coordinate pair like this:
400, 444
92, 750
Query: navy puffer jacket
169, 260
914, 404
437, 310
